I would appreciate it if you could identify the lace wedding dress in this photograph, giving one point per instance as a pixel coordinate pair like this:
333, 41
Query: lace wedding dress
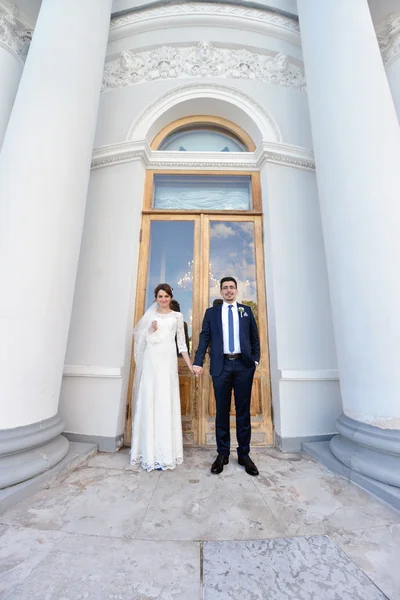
157, 429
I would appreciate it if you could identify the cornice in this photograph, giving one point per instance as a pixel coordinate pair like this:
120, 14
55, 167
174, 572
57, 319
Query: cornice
203, 60
287, 154
389, 39
280, 153
14, 36
121, 153
207, 13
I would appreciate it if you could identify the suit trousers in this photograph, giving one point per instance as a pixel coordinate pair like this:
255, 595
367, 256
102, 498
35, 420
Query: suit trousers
238, 377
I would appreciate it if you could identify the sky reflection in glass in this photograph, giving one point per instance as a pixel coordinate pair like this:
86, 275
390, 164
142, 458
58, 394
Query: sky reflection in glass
232, 254
170, 257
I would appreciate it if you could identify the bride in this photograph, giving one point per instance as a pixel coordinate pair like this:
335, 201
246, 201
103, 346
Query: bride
157, 429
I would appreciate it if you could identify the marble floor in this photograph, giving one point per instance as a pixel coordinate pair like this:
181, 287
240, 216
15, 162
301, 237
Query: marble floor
108, 531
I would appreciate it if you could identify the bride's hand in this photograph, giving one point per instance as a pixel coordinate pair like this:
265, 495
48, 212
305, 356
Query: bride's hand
153, 327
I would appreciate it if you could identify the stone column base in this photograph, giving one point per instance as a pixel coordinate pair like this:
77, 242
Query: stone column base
368, 450
30, 450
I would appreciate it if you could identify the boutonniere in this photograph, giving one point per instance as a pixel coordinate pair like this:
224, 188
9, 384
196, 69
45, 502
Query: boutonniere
241, 312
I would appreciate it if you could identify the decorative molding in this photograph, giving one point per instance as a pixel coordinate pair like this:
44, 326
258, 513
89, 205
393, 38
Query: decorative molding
193, 91
13, 34
309, 375
207, 13
203, 60
280, 153
120, 153
389, 38
92, 371
24, 21
287, 154
241, 12
272, 149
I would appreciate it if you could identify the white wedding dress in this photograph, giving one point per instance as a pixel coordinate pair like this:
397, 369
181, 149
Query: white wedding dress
157, 428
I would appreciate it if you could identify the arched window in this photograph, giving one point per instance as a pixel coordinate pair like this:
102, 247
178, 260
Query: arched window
202, 139
203, 133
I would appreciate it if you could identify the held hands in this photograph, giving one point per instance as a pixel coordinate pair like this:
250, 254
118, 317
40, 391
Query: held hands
197, 370
191, 368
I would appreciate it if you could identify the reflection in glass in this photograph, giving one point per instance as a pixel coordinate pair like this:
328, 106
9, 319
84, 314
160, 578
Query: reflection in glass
232, 253
206, 192
170, 257
202, 140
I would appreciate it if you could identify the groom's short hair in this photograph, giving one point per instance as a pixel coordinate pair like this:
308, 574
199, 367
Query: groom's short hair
224, 279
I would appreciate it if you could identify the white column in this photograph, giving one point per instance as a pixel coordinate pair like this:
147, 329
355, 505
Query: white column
13, 47
44, 175
357, 148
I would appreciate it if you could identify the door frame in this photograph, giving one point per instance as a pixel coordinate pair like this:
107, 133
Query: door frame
202, 219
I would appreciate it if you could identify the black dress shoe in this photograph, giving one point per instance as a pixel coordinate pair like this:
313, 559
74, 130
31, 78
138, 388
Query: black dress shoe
218, 464
248, 464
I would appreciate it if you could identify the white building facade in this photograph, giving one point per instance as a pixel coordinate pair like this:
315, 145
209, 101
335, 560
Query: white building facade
111, 179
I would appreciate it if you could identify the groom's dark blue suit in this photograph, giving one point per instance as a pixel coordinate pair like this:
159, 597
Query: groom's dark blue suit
228, 374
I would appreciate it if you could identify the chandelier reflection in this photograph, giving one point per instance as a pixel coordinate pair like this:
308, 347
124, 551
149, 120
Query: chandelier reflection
185, 282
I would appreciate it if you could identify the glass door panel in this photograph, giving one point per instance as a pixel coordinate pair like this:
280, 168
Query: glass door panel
232, 253
167, 255
235, 249
171, 261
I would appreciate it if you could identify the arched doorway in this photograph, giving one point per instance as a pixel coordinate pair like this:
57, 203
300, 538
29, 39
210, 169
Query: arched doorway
198, 226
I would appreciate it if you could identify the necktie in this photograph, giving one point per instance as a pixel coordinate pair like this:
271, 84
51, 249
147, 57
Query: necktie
230, 329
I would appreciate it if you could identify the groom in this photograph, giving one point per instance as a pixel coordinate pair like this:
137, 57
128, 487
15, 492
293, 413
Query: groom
231, 330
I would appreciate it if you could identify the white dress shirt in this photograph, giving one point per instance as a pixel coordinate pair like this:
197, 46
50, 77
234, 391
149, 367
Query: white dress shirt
225, 328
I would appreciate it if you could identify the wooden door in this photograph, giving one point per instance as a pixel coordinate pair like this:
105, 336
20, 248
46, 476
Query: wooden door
192, 252
169, 251
232, 245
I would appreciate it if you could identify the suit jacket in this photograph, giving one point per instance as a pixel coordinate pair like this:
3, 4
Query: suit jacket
211, 333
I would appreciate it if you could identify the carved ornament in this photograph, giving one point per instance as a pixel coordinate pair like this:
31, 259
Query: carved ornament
203, 60
12, 33
389, 38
